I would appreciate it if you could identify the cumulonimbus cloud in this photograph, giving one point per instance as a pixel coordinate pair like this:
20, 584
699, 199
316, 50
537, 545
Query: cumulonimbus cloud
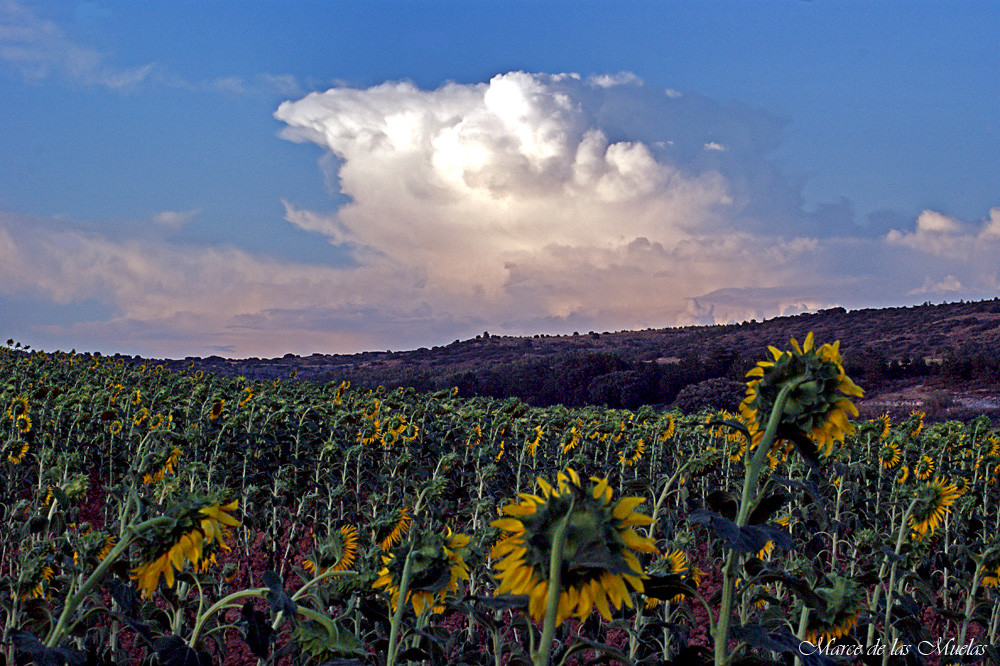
528, 203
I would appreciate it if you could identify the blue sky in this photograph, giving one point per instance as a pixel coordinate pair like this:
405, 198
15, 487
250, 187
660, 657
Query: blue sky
256, 178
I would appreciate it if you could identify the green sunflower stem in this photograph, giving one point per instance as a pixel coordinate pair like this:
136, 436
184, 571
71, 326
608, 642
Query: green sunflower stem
747, 501
541, 656
63, 626
397, 613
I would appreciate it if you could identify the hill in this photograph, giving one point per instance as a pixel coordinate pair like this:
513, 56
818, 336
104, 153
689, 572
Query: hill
944, 359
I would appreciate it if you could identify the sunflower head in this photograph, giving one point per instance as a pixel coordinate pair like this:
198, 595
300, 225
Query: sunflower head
23, 423
36, 578
599, 550
924, 468
837, 614
889, 455
337, 553
933, 501
197, 527
437, 564
818, 405
388, 534
216, 411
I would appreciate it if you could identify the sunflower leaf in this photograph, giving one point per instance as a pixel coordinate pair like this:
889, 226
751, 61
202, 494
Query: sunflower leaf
28, 644
277, 598
258, 630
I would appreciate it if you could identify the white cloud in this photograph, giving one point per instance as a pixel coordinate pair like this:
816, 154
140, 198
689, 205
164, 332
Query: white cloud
940, 235
38, 48
472, 183
718, 147
172, 219
948, 284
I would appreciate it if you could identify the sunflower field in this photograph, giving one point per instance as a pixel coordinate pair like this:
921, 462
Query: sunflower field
158, 517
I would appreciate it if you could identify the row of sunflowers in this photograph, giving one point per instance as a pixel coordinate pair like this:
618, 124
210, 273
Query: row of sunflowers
152, 516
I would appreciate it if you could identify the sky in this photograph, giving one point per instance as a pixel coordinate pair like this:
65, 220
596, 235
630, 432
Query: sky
261, 178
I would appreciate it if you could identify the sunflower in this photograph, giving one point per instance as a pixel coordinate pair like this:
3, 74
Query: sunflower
738, 450
924, 468
916, 422
769, 546
597, 555
991, 577
36, 581
903, 474
933, 502
889, 455
17, 450
836, 614
247, 394
338, 553
116, 427
19, 405
532, 444
883, 424
155, 421
437, 564
392, 534
23, 423
169, 464
94, 546
633, 456
216, 409
194, 526
668, 431
136, 397
817, 406
141, 416
676, 562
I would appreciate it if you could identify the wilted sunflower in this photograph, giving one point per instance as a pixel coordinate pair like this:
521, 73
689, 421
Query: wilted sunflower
924, 468
889, 455
171, 546
391, 534
597, 557
437, 564
933, 502
817, 406
337, 553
